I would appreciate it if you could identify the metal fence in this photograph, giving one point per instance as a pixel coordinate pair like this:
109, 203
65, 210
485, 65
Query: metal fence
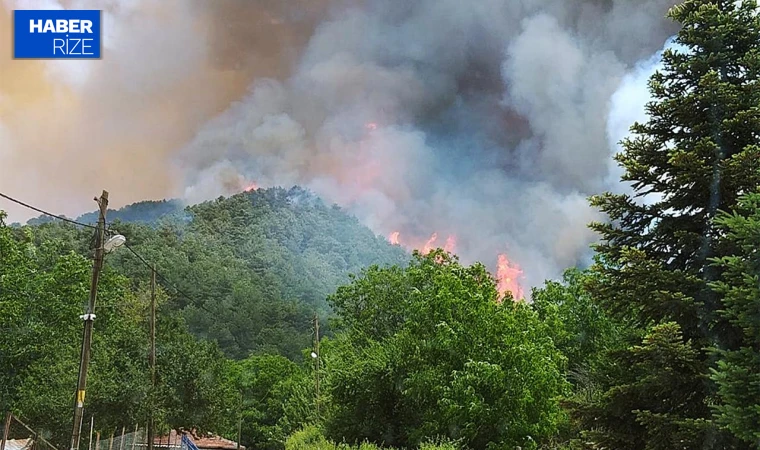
16, 435
134, 439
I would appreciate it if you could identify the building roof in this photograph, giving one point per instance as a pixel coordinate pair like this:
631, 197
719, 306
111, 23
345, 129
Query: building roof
17, 444
208, 442
215, 442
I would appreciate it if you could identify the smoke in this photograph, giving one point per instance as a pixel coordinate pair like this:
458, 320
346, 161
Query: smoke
71, 128
488, 120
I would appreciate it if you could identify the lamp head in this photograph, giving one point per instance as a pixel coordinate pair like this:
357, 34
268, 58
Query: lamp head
114, 242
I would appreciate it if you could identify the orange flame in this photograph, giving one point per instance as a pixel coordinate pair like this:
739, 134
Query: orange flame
428, 247
507, 275
424, 247
451, 244
251, 187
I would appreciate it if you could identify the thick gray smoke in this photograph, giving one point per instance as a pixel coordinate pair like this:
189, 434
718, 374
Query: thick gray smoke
487, 120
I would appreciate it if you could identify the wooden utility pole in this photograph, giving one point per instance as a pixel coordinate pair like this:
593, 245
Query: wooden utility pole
316, 351
88, 318
152, 354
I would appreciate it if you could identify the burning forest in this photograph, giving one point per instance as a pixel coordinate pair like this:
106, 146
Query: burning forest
493, 120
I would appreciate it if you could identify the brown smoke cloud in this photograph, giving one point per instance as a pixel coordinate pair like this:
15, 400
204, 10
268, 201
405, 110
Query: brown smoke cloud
71, 128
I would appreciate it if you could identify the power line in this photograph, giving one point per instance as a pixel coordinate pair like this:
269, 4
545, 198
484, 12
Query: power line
166, 281
143, 260
26, 205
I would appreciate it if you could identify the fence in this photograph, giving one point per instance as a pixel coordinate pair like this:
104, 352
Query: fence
134, 439
16, 435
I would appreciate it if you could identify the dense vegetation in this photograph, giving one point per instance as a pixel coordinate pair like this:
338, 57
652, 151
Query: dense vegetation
655, 346
252, 269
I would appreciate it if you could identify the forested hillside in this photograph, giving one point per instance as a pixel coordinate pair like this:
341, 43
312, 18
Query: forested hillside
653, 347
253, 269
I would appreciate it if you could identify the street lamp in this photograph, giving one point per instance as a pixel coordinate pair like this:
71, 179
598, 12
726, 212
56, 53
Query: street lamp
114, 242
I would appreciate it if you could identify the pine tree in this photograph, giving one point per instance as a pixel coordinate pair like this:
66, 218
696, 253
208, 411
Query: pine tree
738, 370
696, 154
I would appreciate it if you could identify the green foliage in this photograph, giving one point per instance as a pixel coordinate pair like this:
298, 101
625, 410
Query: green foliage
584, 334
312, 438
43, 290
579, 328
427, 351
309, 438
147, 212
277, 397
253, 267
738, 370
651, 399
697, 154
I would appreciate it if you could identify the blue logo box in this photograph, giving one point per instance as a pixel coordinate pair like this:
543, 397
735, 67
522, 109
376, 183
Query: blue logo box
56, 34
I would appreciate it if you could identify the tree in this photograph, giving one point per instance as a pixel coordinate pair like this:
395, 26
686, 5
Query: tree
579, 328
252, 268
428, 351
697, 154
738, 370
271, 387
42, 293
43, 288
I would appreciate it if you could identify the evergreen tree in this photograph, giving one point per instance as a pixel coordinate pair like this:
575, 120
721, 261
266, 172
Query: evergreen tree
696, 154
738, 370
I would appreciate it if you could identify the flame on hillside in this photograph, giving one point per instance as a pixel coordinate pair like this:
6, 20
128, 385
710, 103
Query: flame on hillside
508, 274
425, 246
507, 278
250, 187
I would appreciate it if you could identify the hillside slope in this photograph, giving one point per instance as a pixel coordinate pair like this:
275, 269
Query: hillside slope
252, 268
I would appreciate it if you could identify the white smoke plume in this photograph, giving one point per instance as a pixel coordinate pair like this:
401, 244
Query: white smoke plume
490, 120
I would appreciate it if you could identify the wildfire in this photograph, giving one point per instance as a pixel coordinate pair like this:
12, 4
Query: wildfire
426, 246
451, 244
371, 126
251, 187
507, 275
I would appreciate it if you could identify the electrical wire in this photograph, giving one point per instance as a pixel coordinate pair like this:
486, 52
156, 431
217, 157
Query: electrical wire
166, 281
8, 197
143, 260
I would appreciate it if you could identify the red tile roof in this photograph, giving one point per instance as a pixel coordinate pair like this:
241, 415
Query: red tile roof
209, 442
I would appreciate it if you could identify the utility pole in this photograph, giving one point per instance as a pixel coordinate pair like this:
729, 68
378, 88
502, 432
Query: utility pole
316, 351
88, 318
152, 354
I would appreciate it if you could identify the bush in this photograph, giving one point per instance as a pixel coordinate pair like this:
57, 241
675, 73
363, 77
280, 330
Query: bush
312, 438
